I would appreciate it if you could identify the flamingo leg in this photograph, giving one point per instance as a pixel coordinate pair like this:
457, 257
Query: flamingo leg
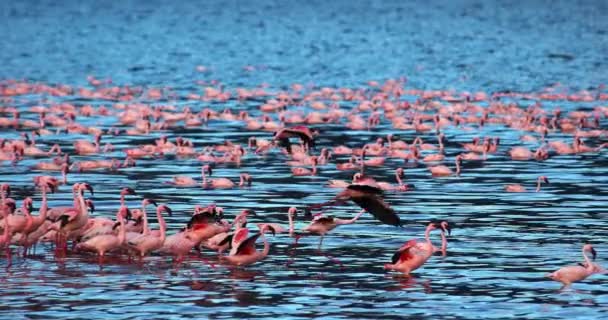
320, 242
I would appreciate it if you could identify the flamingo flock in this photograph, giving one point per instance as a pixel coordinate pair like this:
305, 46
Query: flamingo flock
288, 125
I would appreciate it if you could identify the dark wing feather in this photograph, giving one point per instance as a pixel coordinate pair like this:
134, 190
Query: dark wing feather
365, 188
227, 240
325, 220
301, 132
199, 218
377, 207
248, 246
396, 257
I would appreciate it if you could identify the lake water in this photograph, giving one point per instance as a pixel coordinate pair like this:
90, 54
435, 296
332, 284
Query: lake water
502, 243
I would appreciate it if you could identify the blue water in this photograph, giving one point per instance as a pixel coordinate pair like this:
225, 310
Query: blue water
502, 245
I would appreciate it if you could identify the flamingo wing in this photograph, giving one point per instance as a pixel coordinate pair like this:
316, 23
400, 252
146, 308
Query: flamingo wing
201, 218
364, 188
239, 236
248, 246
378, 208
404, 253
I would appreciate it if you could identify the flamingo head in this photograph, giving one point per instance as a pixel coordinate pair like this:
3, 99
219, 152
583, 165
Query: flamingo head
84, 185
207, 169
293, 212
10, 204
126, 191
163, 207
400, 172
444, 226
543, 179
5, 189
588, 247
149, 201
28, 204
247, 179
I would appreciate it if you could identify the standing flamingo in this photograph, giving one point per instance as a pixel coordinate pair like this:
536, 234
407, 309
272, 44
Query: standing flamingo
569, 274
246, 254
413, 254
107, 242
146, 243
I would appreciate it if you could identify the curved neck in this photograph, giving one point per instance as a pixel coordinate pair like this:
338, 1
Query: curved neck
314, 167
587, 260
399, 181
427, 236
457, 167
538, 182
204, 177
266, 247
83, 205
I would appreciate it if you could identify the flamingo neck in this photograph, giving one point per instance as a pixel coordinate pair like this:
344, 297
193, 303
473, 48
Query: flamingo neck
314, 167
122, 232
241, 181
444, 243
291, 224
83, 206
163, 225
145, 227
538, 182
427, 237
588, 261
204, 177
399, 181
457, 167
266, 247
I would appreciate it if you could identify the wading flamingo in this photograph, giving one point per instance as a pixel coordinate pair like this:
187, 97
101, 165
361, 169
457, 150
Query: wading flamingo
569, 274
520, 188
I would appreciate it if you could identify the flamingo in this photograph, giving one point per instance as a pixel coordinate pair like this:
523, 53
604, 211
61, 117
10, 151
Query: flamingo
107, 242
73, 220
246, 254
304, 171
223, 183
413, 254
520, 188
443, 171
569, 274
146, 243
321, 225
367, 197
302, 132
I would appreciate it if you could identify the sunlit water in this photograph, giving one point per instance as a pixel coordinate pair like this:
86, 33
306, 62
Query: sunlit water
502, 244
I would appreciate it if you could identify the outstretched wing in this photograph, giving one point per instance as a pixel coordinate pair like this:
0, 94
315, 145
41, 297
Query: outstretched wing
248, 246
201, 218
364, 189
377, 207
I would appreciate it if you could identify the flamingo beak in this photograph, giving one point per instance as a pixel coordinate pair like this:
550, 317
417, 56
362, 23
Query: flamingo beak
251, 212
546, 179
593, 254
51, 187
129, 191
169, 211
91, 206
272, 230
153, 202
88, 187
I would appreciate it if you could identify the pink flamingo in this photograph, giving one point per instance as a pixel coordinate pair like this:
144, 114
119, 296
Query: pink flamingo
299, 171
413, 254
302, 132
246, 253
443, 171
569, 274
107, 242
321, 225
223, 183
520, 188
367, 197
146, 243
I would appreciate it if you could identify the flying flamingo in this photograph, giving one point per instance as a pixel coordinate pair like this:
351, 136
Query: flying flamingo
302, 132
146, 243
107, 242
367, 197
520, 188
412, 255
569, 274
